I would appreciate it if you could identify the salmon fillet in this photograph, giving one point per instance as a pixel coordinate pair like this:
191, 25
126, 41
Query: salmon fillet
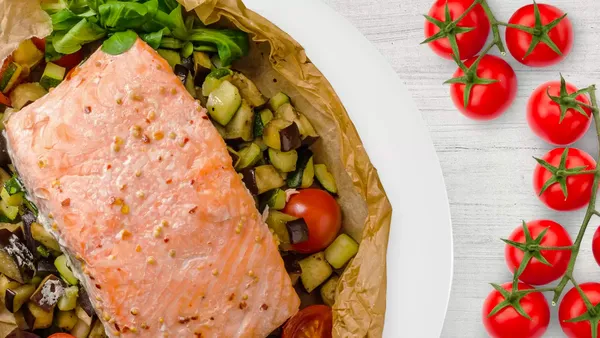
139, 189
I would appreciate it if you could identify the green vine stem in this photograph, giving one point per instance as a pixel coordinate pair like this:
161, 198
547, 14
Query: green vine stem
497, 40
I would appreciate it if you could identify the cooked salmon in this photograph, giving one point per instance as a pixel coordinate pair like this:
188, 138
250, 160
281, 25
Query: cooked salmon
140, 190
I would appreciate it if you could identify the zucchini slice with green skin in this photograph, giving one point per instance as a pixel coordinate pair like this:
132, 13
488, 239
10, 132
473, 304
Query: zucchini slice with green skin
276, 199
223, 103
241, 125
325, 178
296, 179
68, 301
262, 179
214, 79
328, 290
283, 161
282, 135
308, 176
341, 251
315, 271
26, 93
172, 57
262, 118
53, 75
279, 99
248, 90
248, 156
10, 77
63, 268
276, 222
307, 131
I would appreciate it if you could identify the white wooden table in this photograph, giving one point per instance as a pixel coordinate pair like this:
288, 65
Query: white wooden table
487, 166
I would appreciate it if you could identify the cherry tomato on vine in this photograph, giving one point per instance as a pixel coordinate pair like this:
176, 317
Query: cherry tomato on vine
578, 187
469, 43
547, 28
315, 321
544, 114
62, 335
596, 245
508, 323
536, 272
486, 101
322, 215
573, 306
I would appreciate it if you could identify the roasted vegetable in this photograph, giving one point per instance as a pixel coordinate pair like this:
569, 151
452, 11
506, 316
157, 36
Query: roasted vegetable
279, 99
214, 79
235, 157
328, 290
281, 134
41, 235
48, 293
81, 329
172, 57
25, 94
68, 301
223, 103
315, 271
84, 303
304, 173
5, 284
46, 267
241, 125
297, 230
248, 90
276, 199
283, 161
19, 333
66, 320
62, 265
262, 179
52, 76
277, 222
202, 67
9, 77
341, 251
261, 120
36, 317
325, 178
14, 298
27, 54
97, 330
83, 315
16, 261
248, 156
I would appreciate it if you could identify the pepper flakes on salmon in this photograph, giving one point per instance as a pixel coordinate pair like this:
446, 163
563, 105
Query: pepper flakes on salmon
89, 169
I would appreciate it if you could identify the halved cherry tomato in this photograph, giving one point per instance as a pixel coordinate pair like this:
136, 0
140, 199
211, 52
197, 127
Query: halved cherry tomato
536, 272
39, 43
70, 60
573, 306
469, 43
315, 321
61, 335
4, 100
322, 215
544, 115
596, 245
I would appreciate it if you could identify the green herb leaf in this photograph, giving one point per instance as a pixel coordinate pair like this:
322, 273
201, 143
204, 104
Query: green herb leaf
123, 15
179, 30
167, 5
171, 43
153, 39
231, 44
80, 34
13, 186
205, 48
119, 43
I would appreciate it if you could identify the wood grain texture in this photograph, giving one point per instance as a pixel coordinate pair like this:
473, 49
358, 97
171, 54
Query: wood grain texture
487, 166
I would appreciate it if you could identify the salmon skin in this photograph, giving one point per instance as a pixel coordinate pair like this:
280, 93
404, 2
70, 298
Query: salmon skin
139, 189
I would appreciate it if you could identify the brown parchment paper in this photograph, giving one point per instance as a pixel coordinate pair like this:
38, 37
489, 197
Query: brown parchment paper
278, 63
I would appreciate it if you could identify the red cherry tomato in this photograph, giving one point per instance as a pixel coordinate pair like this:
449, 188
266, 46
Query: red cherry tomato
543, 115
596, 245
315, 321
39, 43
322, 215
469, 43
579, 187
537, 273
4, 100
488, 101
518, 41
70, 60
572, 306
508, 323
61, 335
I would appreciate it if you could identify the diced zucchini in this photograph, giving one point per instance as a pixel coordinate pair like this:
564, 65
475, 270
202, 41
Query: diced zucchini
287, 112
328, 290
202, 67
235, 156
53, 76
26, 93
223, 103
42, 318
83, 315
315, 271
248, 156
187, 49
279, 99
220, 130
296, 178
172, 57
66, 320
27, 54
248, 90
41, 235
325, 178
68, 301
9, 77
81, 329
282, 135
277, 221
241, 125
308, 176
15, 200
307, 131
214, 79
261, 144
267, 178
216, 61
341, 251
262, 118
14, 298
283, 161
63, 268
97, 330
276, 199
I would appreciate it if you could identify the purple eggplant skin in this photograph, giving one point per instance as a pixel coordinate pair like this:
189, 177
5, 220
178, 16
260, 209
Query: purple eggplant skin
51, 284
9, 300
24, 260
84, 302
290, 137
29, 317
249, 179
297, 230
28, 218
18, 333
46, 267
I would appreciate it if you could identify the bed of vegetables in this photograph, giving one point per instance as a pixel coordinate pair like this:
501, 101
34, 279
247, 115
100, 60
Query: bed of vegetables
268, 139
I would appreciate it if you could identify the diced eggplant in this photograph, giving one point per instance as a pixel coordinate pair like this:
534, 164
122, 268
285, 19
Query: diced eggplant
223, 103
214, 79
282, 135
341, 251
97, 330
5, 284
66, 320
15, 228
248, 156
315, 271
48, 293
85, 303
62, 265
235, 157
276, 199
325, 178
202, 67
16, 261
297, 230
249, 179
296, 178
278, 100
28, 218
37, 317
15, 298
283, 161
68, 301
241, 125
328, 290
248, 90
41, 235
277, 222
188, 62
25, 93
307, 131
181, 72
262, 179
81, 329
46, 267
83, 315
260, 121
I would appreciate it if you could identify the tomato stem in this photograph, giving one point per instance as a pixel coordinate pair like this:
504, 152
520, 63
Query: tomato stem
555, 248
494, 24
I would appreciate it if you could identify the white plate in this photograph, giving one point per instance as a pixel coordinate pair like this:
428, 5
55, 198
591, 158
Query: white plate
420, 248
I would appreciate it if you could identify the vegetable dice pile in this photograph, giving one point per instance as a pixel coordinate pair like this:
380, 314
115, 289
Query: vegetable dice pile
565, 179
